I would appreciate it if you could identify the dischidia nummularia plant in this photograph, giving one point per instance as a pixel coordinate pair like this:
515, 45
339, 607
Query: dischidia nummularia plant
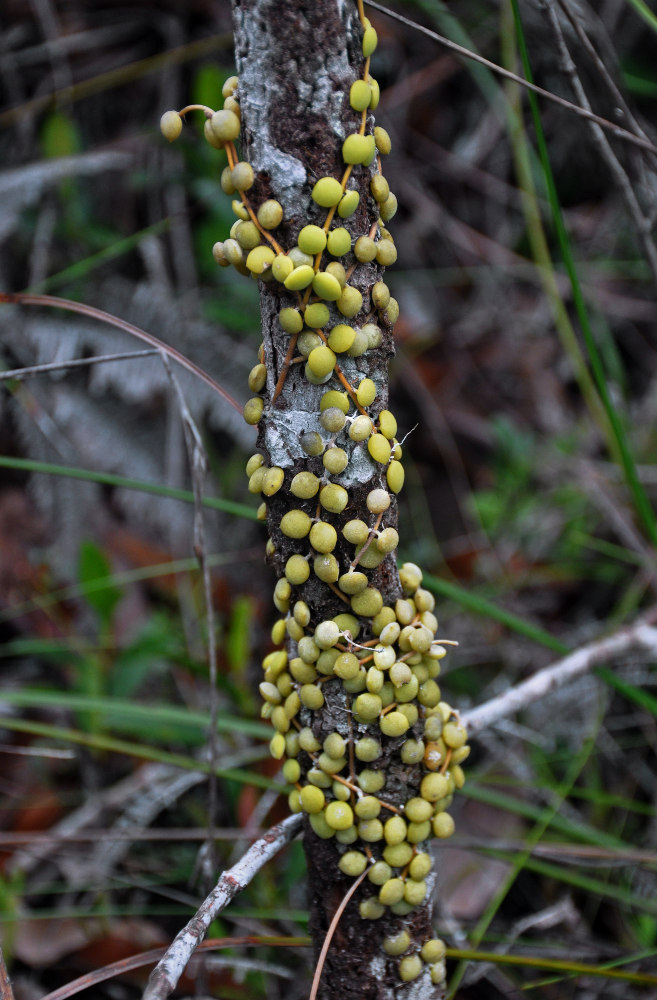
370, 751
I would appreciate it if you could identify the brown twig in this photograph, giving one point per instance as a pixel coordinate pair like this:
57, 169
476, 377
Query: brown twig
370, 537
331, 931
460, 50
143, 958
52, 302
285, 369
6, 992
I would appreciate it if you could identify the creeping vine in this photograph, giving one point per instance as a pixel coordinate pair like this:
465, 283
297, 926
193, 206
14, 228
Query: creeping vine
371, 752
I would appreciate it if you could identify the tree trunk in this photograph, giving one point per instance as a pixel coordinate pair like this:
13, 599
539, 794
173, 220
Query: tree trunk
296, 63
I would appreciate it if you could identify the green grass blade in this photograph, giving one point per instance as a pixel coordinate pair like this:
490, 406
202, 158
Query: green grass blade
485, 793
452, 28
25, 647
555, 964
641, 502
644, 11
590, 885
97, 741
640, 85
638, 695
525, 167
579, 831
81, 268
120, 712
601, 798
523, 857
479, 605
108, 479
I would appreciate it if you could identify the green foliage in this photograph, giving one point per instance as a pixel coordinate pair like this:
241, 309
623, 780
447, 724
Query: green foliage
12, 888
60, 136
93, 564
207, 84
516, 511
547, 570
618, 442
156, 645
512, 496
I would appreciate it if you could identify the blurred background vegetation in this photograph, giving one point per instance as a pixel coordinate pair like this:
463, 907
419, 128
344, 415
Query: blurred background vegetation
525, 378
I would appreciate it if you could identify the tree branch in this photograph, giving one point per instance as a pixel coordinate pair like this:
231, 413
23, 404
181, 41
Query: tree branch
642, 635
170, 968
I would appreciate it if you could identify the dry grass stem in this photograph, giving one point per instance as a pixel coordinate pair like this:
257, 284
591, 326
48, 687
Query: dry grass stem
198, 467
57, 366
583, 112
638, 215
105, 317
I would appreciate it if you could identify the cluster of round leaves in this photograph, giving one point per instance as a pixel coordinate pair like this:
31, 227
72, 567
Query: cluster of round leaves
397, 717
324, 316
314, 496
316, 270
384, 659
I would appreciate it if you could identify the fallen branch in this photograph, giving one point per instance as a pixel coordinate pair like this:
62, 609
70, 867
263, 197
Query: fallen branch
56, 366
642, 634
169, 969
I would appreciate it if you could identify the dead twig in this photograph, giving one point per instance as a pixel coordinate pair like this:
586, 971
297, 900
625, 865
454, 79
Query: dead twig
56, 366
198, 466
616, 93
639, 217
24, 298
460, 50
168, 971
642, 635
144, 958
331, 931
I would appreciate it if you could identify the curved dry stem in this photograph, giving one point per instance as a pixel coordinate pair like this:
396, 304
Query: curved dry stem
616, 130
28, 299
329, 935
144, 958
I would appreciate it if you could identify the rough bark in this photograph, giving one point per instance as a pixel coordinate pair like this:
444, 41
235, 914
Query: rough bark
296, 62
